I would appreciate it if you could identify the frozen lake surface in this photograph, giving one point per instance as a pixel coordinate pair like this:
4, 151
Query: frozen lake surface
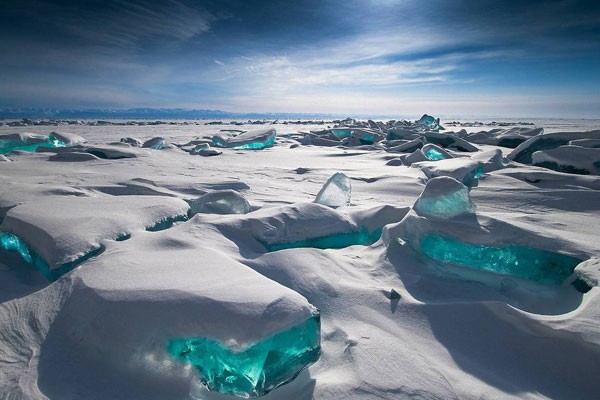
457, 270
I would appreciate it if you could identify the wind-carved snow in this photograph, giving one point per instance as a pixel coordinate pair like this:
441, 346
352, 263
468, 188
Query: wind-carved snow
336, 192
422, 312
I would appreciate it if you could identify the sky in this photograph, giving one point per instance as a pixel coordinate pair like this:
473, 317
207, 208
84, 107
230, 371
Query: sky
350, 57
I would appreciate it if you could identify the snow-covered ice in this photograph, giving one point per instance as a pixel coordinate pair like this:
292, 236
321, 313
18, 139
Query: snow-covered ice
340, 263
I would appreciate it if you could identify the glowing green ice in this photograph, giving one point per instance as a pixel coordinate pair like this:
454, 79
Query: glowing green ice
7, 146
256, 145
445, 206
339, 241
533, 264
10, 242
434, 155
254, 370
218, 142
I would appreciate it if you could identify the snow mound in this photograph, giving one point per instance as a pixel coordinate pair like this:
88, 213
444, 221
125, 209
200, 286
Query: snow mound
152, 293
510, 138
63, 230
569, 159
523, 153
74, 156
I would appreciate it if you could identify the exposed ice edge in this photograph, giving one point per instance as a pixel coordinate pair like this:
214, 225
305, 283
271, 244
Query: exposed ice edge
64, 230
102, 292
444, 211
211, 296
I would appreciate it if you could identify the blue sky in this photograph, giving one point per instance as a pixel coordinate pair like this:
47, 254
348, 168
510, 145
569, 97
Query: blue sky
383, 57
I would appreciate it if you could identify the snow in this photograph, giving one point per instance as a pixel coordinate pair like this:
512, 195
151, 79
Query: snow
395, 322
573, 159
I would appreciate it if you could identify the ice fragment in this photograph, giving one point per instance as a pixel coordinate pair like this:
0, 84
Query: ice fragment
257, 369
336, 192
533, 264
444, 197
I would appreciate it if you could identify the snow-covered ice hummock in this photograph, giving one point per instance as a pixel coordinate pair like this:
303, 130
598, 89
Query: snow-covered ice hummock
524, 152
570, 159
156, 143
56, 234
254, 139
336, 192
27, 142
438, 228
510, 138
167, 308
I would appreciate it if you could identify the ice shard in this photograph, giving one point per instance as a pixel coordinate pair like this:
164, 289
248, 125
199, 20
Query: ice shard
429, 121
220, 202
27, 142
156, 143
257, 369
255, 140
435, 153
443, 198
533, 264
336, 192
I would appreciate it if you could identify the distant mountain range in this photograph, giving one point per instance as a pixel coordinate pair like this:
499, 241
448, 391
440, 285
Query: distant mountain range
149, 113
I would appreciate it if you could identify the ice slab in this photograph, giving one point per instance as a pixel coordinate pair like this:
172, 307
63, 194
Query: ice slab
510, 138
464, 170
491, 160
220, 202
254, 140
168, 307
64, 229
256, 370
68, 138
156, 143
533, 264
27, 142
523, 153
407, 147
569, 159
451, 141
336, 192
443, 198
434, 153
591, 143
429, 121
135, 142
203, 149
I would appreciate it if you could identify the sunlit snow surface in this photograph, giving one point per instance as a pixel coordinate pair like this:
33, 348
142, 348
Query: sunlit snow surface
193, 277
